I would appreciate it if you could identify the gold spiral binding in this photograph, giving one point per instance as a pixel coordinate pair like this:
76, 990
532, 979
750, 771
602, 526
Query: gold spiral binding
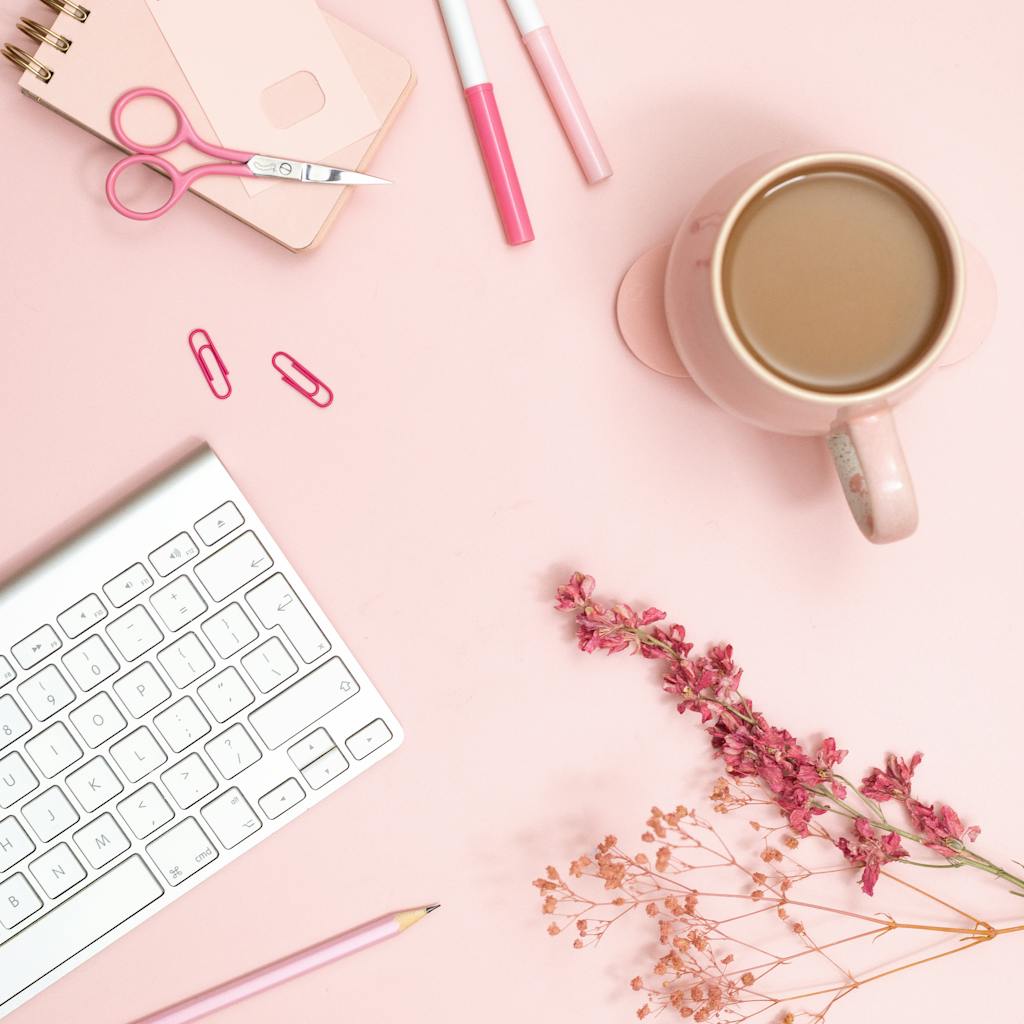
41, 34
68, 7
16, 55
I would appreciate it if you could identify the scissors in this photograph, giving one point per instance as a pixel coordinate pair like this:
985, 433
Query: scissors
240, 164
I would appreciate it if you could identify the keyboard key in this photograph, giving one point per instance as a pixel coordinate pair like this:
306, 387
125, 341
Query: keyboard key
90, 663
97, 720
13, 723
225, 694
138, 754
7, 674
101, 840
142, 690
81, 616
134, 633
36, 646
186, 660
231, 819
16, 780
174, 554
276, 604
307, 750
18, 901
189, 781
49, 814
219, 523
368, 739
70, 928
182, 851
53, 750
229, 630
234, 565
303, 703
46, 693
145, 811
281, 798
233, 751
178, 603
15, 844
269, 665
325, 768
181, 724
94, 784
57, 870
128, 584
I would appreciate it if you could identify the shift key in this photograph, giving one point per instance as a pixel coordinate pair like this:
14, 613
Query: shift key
233, 566
303, 703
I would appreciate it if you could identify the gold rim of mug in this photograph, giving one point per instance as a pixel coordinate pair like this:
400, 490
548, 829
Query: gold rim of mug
886, 170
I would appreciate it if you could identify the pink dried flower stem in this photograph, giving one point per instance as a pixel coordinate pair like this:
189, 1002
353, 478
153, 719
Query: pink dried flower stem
698, 975
801, 786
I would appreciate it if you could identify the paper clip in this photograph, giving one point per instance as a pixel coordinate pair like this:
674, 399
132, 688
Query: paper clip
199, 352
320, 389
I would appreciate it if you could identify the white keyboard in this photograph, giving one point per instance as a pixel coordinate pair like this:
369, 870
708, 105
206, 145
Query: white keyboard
170, 694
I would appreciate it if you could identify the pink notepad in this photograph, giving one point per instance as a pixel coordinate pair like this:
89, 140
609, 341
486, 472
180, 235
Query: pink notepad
120, 46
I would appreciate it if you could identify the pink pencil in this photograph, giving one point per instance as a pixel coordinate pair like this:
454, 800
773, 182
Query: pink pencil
289, 967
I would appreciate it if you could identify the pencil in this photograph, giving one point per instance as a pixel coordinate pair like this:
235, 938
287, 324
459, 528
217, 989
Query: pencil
289, 967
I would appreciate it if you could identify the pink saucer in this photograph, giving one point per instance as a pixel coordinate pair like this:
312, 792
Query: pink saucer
640, 309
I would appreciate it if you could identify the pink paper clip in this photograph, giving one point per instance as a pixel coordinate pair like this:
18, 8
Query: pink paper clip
319, 387
199, 352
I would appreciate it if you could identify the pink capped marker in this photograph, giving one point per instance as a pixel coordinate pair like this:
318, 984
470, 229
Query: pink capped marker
490, 133
561, 90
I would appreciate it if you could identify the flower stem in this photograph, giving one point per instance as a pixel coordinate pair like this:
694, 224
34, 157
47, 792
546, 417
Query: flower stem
963, 858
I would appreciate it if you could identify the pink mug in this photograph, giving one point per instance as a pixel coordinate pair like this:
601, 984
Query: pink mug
858, 426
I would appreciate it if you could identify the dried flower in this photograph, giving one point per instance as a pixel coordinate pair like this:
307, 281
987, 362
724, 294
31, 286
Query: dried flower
801, 786
704, 971
892, 783
870, 850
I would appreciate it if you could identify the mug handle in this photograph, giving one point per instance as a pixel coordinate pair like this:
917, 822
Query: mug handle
873, 473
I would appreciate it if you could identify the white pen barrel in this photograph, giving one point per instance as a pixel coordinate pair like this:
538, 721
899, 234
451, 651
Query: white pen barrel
527, 15
464, 45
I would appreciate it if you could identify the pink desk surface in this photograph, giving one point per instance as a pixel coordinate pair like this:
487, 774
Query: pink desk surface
490, 432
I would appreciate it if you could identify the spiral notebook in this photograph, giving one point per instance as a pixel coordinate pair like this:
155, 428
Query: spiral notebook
98, 49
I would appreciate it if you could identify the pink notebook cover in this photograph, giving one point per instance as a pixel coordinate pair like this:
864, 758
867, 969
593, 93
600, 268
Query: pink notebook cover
120, 47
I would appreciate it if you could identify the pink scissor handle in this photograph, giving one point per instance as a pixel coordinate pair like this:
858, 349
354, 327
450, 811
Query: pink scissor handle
873, 472
179, 185
184, 133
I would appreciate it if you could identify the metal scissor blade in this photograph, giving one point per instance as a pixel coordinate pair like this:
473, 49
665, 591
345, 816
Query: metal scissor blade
272, 167
339, 176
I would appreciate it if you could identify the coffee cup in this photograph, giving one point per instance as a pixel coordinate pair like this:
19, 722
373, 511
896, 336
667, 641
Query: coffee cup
812, 295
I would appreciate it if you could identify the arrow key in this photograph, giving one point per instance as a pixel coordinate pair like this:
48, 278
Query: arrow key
281, 798
368, 739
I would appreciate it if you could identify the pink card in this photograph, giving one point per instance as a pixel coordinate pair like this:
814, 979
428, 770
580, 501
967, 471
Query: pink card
269, 76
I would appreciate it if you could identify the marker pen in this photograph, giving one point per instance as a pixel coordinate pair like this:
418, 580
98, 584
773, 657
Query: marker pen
540, 44
483, 109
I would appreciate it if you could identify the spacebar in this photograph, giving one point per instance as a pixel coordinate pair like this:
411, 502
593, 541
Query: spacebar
75, 924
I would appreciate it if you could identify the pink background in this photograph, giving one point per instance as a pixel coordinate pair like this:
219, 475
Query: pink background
490, 432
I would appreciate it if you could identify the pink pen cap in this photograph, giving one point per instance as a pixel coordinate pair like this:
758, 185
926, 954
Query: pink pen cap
490, 133
561, 90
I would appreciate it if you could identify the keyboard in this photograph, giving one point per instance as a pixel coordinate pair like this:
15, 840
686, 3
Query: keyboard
170, 695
